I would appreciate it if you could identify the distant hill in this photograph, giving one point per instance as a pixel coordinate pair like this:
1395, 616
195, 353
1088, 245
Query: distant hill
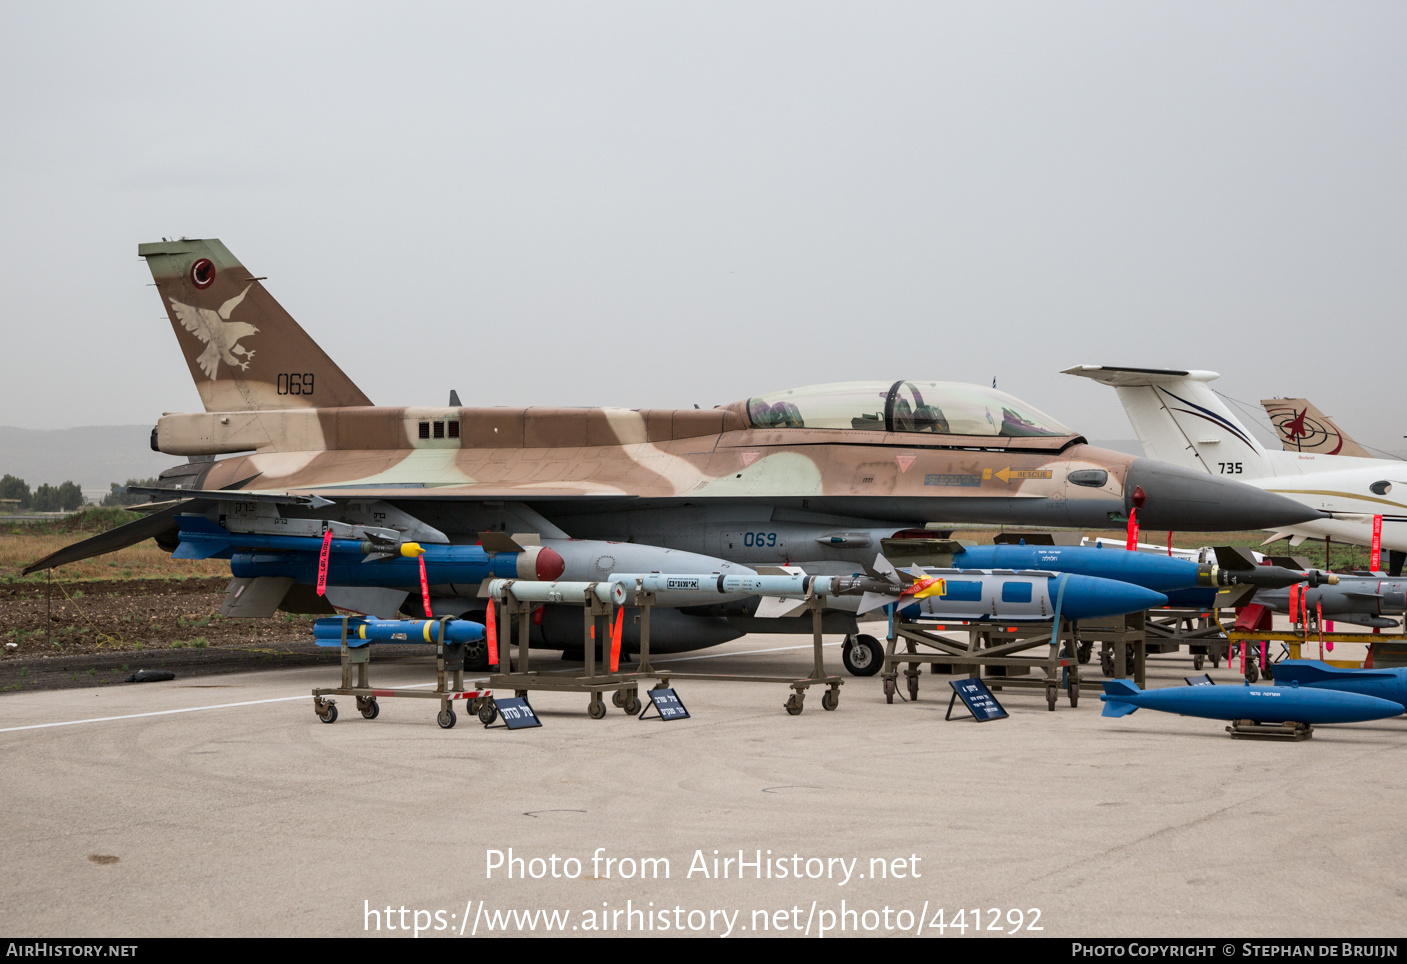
93, 456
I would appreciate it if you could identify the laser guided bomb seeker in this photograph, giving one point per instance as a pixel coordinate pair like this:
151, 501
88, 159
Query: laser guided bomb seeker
809, 476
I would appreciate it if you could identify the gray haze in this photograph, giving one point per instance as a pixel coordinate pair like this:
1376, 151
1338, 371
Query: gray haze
667, 204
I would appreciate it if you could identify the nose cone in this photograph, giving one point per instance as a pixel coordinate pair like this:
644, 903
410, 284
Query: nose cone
1178, 498
1089, 597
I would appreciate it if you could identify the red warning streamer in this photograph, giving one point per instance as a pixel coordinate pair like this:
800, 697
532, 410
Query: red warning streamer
425, 588
615, 639
1375, 560
491, 631
322, 562
1131, 544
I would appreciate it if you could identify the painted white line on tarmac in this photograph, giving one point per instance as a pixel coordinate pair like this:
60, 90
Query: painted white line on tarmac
288, 699
186, 709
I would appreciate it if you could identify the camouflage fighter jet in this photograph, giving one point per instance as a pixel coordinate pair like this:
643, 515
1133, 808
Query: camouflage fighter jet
818, 477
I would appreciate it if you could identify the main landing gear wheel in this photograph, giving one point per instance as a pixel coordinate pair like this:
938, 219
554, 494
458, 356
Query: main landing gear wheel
488, 711
793, 704
328, 713
596, 709
370, 709
447, 719
830, 699
862, 655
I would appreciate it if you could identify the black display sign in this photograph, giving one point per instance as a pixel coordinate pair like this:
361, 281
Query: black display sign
978, 699
1204, 680
516, 713
667, 703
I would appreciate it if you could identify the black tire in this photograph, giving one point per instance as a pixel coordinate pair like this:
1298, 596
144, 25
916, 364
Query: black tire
596, 709
862, 655
1198, 662
793, 705
447, 719
488, 711
372, 710
329, 715
632, 705
830, 699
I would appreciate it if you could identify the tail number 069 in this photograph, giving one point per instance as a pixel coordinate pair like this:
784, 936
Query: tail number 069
295, 383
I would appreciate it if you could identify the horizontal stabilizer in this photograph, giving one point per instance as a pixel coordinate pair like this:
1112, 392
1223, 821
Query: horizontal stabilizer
119, 538
1137, 377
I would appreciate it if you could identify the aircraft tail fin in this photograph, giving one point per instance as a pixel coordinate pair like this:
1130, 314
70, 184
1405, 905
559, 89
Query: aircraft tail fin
1113, 705
1179, 419
245, 352
1303, 428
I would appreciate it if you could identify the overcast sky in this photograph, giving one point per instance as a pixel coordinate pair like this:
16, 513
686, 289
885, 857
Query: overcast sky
662, 204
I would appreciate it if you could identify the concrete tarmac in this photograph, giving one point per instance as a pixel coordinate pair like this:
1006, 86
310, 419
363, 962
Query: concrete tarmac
221, 806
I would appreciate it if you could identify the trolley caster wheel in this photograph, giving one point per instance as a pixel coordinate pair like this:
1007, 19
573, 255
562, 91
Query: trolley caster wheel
1051, 695
328, 713
1198, 662
913, 689
1252, 672
862, 655
1269, 672
447, 719
793, 704
370, 709
1216, 662
830, 699
632, 705
596, 709
617, 698
889, 689
1084, 653
520, 694
488, 711
1106, 663
1074, 694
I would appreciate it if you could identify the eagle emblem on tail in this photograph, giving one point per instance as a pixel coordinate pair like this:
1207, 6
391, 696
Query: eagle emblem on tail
221, 336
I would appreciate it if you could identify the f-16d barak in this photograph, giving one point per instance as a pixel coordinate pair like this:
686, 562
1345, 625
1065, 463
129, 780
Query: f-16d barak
813, 476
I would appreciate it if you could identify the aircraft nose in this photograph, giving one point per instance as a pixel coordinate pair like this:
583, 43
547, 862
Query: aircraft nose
1178, 498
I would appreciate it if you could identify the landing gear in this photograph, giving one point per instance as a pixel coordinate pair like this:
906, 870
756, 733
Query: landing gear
862, 655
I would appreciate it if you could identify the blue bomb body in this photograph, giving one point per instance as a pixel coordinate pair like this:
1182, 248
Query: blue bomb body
1013, 597
1160, 573
1261, 704
1388, 683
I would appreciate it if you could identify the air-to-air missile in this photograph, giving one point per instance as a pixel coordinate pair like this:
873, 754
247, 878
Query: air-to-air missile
1259, 704
1364, 599
1388, 683
328, 632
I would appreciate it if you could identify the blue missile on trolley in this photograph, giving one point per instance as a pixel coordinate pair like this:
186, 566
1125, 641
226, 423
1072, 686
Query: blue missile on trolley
1388, 683
328, 632
1259, 704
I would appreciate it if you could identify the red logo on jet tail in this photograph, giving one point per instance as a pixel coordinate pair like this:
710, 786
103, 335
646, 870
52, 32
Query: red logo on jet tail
203, 273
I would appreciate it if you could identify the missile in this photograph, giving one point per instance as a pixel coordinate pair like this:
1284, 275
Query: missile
359, 561
1161, 573
1388, 683
1260, 704
328, 632
1364, 599
606, 591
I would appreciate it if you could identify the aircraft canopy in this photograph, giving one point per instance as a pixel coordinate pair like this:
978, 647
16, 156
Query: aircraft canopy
938, 408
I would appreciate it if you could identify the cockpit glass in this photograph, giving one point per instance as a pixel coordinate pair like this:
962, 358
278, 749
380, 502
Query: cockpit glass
937, 408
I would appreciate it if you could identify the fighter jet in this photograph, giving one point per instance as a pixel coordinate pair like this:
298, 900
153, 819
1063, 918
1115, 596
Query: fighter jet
812, 476
1179, 418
